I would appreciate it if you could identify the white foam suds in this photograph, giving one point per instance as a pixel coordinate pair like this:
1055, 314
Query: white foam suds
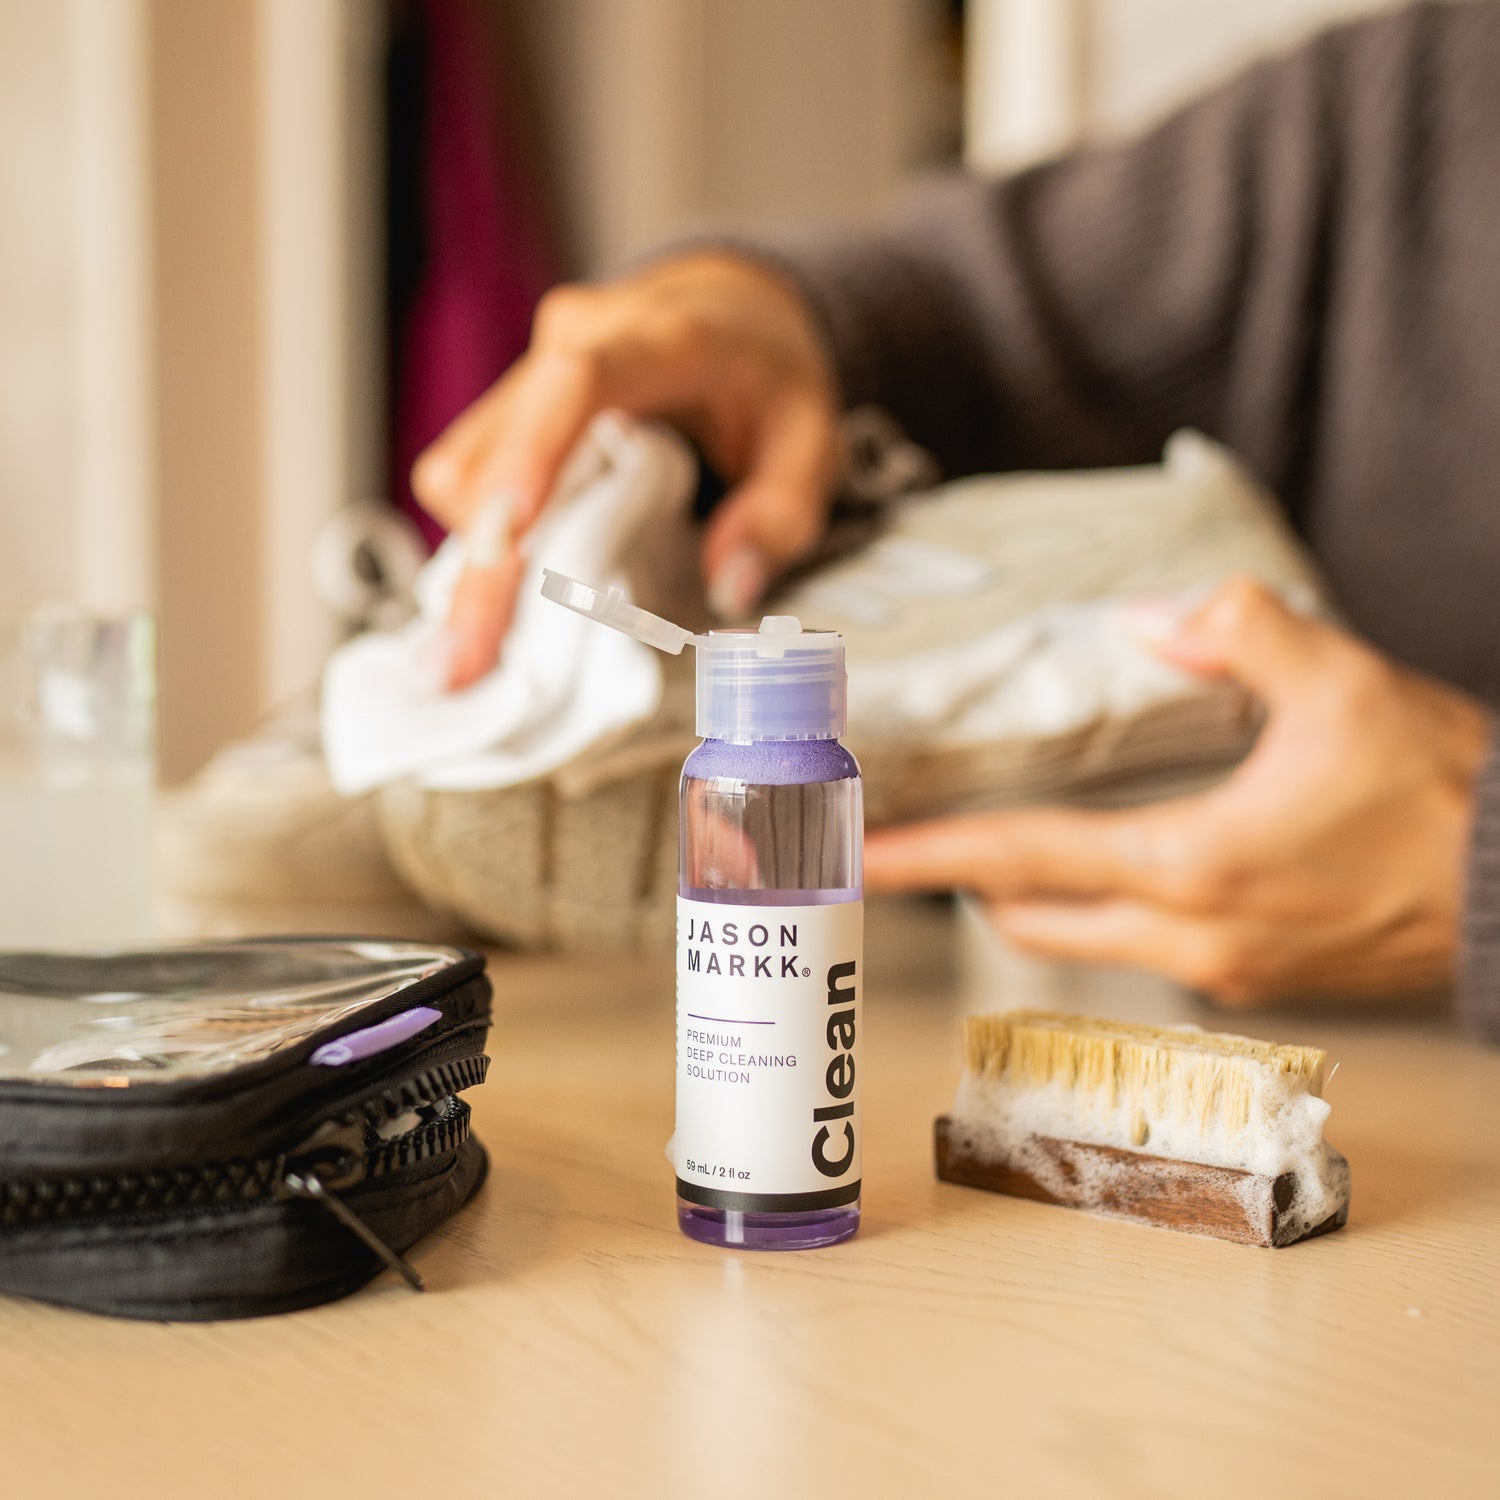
998, 1120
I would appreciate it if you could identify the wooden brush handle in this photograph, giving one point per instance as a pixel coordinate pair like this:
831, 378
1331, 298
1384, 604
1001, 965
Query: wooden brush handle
1246, 1207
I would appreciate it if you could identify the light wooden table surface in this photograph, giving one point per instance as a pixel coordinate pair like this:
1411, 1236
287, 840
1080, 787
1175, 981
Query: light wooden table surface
573, 1343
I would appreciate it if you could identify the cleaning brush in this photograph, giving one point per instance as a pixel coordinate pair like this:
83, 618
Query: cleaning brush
1194, 1130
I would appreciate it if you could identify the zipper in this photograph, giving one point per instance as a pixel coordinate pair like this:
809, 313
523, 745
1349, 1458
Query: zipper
345, 1151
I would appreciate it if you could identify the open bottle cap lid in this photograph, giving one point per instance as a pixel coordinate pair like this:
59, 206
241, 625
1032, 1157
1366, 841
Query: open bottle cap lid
779, 682
609, 606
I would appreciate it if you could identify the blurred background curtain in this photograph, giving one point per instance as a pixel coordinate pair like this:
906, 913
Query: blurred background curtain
468, 244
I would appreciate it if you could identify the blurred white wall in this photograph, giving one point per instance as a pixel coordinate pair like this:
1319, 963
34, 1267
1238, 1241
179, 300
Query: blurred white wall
266, 144
36, 305
666, 115
74, 443
1145, 56
1043, 75
191, 343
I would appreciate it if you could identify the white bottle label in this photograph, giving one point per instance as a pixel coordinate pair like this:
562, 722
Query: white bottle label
768, 1037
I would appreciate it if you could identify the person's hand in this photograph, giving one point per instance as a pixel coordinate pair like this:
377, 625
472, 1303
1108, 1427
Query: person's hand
1330, 861
719, 345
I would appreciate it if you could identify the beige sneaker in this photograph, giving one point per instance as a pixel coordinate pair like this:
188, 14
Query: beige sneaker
988, 666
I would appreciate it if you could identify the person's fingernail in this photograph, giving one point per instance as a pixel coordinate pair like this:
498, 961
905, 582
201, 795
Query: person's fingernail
469, 662
1160, 619
434, 657
739, 584
877, 868
488, 536
1006, 914
1152, 620
431, 474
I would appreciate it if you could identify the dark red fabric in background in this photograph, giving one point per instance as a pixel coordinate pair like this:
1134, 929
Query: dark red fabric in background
470, 251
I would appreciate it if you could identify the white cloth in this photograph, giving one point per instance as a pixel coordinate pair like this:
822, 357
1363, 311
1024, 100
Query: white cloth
984, 613
562, 683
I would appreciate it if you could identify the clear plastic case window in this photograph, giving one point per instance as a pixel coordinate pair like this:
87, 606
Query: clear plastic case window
121, 1019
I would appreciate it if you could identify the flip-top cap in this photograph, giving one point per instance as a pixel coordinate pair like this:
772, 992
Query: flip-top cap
776, 683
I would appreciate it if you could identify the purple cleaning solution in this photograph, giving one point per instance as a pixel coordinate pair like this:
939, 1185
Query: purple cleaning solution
769, 940
770, 931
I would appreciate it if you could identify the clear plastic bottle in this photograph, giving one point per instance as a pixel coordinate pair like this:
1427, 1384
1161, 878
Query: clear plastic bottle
770, 964
775, 823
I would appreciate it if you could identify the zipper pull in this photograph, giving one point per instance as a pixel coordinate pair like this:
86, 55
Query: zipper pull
310, 1185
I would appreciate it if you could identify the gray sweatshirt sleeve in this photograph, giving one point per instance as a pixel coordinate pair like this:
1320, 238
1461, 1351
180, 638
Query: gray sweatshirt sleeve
1260, 250
1479, 980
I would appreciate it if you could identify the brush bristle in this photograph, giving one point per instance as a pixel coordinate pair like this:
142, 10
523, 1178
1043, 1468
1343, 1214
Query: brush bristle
1201, 1078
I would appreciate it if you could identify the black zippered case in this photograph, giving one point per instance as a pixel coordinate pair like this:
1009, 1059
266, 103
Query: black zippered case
232, 1129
